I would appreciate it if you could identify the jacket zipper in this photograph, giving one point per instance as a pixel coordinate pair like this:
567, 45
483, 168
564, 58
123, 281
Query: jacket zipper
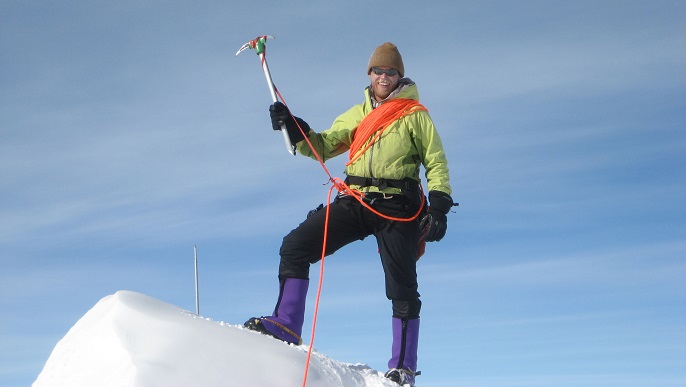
371, 156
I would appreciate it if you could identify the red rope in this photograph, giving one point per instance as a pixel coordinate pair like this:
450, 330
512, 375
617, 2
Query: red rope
376, 122
319, 289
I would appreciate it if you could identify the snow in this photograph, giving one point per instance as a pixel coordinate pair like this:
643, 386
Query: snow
130, 339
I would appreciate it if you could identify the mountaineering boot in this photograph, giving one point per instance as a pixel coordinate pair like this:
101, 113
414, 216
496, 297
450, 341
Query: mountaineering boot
403, 363
289, 314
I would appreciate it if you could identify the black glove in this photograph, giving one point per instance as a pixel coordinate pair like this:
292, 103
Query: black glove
435, 223
281, 115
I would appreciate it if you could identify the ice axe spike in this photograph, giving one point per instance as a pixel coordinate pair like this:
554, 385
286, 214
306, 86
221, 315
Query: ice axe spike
258, 44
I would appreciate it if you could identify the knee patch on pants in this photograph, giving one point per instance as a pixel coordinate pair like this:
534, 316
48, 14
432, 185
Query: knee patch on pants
406, 309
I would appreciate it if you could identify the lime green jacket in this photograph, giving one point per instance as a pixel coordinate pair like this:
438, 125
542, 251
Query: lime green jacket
406, 144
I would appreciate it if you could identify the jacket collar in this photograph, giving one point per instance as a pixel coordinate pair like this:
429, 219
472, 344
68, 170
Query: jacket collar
403, 85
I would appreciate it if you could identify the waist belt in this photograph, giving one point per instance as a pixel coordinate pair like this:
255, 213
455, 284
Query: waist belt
407, 185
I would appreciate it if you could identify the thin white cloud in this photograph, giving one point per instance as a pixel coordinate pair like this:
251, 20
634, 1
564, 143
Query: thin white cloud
626, 266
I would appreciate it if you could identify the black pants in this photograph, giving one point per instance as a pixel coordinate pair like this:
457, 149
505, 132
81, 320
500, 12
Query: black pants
350, 221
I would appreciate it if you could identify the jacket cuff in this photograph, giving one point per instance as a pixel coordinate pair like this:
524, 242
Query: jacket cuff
440, 201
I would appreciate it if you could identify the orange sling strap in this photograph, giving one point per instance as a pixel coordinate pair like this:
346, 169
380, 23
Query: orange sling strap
377, 121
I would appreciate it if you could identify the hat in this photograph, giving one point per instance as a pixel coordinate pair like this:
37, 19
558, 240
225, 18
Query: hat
387, 55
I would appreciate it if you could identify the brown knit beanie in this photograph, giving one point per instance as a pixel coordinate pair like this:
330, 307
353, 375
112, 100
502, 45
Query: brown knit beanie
387, 55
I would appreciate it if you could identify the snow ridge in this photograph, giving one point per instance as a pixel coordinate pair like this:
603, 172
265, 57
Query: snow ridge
130, 339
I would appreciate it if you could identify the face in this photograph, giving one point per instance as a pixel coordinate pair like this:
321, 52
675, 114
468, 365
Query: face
383, 84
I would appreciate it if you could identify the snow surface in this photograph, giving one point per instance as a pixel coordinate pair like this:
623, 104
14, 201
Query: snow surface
130, 339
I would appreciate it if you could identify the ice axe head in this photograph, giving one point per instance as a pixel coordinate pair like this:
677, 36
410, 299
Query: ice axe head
258, 44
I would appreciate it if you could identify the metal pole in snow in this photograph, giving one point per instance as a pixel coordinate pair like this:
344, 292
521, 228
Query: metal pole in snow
197, 295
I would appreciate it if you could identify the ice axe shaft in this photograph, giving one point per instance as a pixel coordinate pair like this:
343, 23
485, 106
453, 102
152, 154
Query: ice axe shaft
258, 44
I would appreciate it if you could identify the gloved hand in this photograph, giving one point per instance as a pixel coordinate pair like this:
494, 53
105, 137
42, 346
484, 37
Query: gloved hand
280, 114
434, 224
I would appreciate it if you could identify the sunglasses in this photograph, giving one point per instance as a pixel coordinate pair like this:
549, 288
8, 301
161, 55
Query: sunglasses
389, 72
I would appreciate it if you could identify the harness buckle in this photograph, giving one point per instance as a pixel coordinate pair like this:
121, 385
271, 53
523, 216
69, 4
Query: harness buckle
371, 197
380, 183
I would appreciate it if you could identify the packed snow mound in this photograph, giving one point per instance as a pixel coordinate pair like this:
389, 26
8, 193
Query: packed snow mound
130, 339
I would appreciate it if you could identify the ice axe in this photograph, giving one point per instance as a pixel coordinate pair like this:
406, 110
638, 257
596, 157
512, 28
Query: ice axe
258, 44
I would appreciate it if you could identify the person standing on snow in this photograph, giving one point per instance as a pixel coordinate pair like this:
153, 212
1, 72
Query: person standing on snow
389, 136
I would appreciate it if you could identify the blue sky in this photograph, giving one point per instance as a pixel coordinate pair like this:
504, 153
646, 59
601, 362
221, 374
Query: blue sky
130, 133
